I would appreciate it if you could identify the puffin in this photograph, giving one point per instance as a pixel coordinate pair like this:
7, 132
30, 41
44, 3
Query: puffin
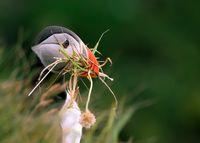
48, 44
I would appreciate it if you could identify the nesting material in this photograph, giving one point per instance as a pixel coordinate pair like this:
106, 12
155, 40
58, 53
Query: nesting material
87, 119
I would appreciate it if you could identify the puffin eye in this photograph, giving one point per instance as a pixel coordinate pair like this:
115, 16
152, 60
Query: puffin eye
66, 44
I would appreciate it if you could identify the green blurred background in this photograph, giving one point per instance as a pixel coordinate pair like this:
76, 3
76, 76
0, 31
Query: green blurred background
154, 45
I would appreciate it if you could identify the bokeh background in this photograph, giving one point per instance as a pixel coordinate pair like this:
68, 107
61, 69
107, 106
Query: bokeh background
154, 45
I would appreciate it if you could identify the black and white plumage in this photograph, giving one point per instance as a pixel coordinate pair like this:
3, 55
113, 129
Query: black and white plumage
47, 45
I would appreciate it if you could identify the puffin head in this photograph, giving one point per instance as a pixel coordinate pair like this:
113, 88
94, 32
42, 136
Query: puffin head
47, 45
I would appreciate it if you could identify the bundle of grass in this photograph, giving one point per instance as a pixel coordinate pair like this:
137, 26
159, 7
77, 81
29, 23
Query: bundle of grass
62, 51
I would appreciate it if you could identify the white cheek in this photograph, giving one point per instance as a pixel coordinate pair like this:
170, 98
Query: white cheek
47, 53
74, 46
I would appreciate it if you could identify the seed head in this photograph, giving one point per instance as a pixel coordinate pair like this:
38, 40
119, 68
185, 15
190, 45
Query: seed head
87, 119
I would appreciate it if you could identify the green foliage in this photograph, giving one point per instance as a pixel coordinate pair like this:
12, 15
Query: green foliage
111, 127
20, 123
154, 45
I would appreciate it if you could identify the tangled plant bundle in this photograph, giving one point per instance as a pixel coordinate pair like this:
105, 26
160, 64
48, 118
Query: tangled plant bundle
62, 51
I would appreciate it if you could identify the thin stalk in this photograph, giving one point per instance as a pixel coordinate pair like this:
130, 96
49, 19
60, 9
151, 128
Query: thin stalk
41, 80
97, 44
50, 65
116, 101
90, 91
74, 83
